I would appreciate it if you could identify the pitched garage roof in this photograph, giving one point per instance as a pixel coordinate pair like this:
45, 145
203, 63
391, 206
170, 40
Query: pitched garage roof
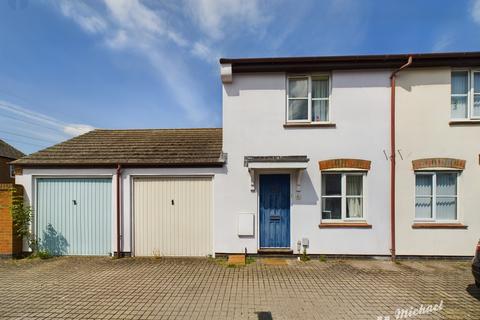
7, 151
150, 147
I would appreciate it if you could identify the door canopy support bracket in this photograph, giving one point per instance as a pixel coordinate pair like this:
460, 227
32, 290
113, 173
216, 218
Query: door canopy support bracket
297, 164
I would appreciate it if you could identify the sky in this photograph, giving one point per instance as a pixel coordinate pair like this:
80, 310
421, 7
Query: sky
67, 67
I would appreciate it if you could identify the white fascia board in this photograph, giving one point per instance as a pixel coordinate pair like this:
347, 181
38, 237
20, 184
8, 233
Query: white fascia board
226, 73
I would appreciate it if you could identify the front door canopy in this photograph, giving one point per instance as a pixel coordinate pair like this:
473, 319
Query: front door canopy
297, 162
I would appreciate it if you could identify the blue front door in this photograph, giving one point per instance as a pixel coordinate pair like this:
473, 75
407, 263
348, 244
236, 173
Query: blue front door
275, 211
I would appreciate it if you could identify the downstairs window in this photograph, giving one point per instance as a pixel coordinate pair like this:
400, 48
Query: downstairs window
343, 196
436, 196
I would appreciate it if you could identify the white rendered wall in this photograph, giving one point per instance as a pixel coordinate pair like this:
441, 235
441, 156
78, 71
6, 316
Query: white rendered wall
423, 131
253, 118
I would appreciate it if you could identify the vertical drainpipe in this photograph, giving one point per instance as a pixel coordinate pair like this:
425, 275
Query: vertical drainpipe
119, 174
392, 154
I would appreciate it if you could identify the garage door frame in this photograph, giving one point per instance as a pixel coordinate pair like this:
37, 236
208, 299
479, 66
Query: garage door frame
160, 176
34, 200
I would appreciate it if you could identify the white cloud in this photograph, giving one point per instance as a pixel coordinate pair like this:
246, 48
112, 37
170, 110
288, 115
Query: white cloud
37, 128
216, 17
41, 119
204, 52
86, 18
475, 11
118, 41
443, 42
74, 129
133, 15
131, 25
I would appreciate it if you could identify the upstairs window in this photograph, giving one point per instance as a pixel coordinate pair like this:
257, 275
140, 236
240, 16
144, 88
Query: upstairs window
308, 99
465, 95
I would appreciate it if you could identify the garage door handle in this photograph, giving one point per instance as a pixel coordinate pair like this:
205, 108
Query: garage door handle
173, 202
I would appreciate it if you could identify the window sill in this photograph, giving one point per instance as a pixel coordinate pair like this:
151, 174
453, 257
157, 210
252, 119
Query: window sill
436, 225
362, 225
463, 122
309, 125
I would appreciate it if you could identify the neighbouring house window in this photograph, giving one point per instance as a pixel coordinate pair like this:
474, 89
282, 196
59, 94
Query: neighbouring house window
308, 99
436, 196
465, 96
342, 196
11, 169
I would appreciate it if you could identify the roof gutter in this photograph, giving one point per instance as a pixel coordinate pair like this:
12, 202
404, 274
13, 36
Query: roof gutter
119, 175
392, 154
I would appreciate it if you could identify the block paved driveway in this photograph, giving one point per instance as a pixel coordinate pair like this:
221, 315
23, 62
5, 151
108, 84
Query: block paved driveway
168, 288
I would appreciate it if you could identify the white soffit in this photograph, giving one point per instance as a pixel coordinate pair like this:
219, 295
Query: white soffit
344, 169
277, 165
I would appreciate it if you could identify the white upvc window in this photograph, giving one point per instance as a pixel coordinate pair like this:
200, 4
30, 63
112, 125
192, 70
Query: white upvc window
436, 196
308, 98
465, 95
343, 196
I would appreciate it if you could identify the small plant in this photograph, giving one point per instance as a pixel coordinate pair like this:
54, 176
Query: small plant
232, 266
22, 216
322, 258
304, 257
41, 254
249, 260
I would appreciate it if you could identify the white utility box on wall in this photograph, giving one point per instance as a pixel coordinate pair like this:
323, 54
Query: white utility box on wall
246, 224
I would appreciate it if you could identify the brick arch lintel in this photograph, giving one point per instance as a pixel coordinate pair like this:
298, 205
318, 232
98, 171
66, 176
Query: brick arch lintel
449, 163
345, 163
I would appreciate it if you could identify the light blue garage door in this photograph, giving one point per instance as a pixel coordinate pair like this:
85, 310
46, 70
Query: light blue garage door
74, 215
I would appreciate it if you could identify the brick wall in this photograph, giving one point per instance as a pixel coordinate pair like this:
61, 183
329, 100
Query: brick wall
9, 244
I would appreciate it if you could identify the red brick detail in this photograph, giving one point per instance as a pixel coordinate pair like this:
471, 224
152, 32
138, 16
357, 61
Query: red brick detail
435, 225
450, 163
10, 245
344, 164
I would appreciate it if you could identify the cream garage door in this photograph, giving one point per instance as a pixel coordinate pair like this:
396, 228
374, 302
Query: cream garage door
172, 216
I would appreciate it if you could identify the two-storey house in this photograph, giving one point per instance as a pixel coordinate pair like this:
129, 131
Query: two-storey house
356, 154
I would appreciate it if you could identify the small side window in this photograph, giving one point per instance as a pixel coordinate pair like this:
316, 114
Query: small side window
11, 169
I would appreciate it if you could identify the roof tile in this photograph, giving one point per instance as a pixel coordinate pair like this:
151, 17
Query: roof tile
162, 147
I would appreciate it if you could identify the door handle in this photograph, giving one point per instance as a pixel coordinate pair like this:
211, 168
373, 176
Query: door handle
275, 218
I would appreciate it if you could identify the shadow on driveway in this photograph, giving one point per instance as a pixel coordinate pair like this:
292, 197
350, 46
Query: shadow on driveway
264, 315
474, 291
